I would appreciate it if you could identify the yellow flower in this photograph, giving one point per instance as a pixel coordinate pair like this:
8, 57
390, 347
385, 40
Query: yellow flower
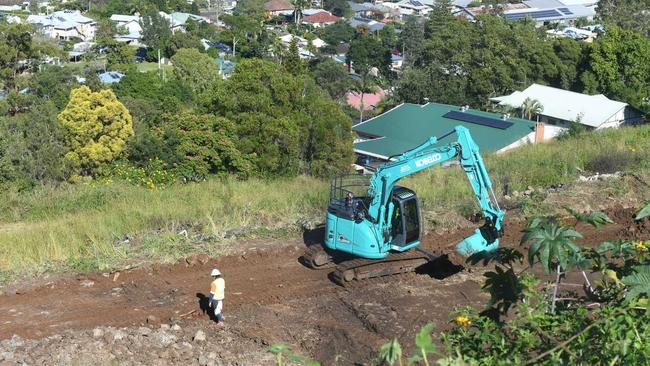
463, 321
641, 246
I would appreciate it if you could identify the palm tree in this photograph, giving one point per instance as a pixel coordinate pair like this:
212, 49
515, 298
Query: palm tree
553, 244
298, 7
530, 108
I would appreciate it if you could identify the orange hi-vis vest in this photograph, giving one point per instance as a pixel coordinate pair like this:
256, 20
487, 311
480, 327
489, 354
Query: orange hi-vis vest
218, 288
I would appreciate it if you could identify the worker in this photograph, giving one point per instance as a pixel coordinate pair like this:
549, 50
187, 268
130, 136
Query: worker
217, 291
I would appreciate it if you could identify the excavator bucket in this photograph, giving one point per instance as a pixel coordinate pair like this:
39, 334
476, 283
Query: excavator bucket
475, 243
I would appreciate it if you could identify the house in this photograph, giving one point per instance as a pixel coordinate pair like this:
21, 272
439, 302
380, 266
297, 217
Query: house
318, 43
65, 25
369, 9
561, 107
370, 100
178, 20
320, 19
288, 37
111, 77
276, 8
396, 61
409, 125
308, 12
413, 7
373, 26
226, 67
129, 28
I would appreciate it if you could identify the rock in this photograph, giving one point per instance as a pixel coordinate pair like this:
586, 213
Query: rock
152, 319
164, 326
203, 360
87, 283
174, 319
118, 335
144, 331
176, 327
212, 355
98, 333
199, 336
164, 339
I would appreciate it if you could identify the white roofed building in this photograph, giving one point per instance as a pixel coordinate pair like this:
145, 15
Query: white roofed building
562, 107
65, 25
129, 28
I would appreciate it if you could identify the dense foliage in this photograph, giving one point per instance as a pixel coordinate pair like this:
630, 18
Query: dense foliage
526, 322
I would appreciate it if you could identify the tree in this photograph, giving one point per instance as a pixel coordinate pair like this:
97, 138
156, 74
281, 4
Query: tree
531, 108
33, 6
204, 144
339, 32
156, 34
292, 62
366, 53
166, 96
15, 46
118, 54
332, 77
194, 69
298, 7
32, 147
53, 84
631, 15
184, 40
286, 124
412, 39
96, 128
340, 8
619, 67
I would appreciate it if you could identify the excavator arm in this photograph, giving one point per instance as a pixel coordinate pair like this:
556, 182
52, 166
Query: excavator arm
426, 156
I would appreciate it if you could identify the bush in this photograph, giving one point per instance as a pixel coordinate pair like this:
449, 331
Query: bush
611, 161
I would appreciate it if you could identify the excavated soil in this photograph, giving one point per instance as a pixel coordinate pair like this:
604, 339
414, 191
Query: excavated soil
125, 317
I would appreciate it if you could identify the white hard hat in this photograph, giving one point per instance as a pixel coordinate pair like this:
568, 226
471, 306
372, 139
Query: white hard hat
215, 272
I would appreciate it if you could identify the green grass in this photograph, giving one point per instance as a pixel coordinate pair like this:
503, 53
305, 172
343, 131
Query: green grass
56, 225
153, 66
76, 226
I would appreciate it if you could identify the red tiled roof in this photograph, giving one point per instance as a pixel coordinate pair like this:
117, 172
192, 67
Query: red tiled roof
278, 5
322, 17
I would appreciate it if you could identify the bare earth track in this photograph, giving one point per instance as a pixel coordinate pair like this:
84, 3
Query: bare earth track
271, 297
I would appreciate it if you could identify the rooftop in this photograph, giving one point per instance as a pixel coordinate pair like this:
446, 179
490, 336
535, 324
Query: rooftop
125, 18
321, 17
549, 14
566, 105
278, 5
409, 125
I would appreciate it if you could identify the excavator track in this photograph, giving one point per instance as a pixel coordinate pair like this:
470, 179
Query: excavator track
316, 257
395, 263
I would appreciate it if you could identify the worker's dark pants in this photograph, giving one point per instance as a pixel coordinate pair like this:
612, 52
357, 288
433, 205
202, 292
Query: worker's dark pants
218, 306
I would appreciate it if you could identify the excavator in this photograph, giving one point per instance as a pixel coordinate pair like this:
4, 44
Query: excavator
375, 224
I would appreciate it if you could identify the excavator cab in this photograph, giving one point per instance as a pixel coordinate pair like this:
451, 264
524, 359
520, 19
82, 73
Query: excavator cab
405, 221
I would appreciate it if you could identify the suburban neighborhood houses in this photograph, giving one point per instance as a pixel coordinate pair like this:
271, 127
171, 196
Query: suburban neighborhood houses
369, 57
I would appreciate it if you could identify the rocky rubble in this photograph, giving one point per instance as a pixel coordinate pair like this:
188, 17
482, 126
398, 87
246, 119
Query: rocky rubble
194, 343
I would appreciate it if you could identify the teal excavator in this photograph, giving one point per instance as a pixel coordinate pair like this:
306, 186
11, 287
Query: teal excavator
375, 225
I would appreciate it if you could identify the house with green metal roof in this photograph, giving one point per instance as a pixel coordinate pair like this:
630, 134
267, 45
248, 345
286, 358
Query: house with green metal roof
409, 125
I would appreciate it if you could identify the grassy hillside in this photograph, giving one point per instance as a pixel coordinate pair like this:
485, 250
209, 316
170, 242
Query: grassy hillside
82, 227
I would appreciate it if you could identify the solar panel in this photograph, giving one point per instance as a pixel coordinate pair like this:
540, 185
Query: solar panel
416, 3
565, 11
534, 14
479, 120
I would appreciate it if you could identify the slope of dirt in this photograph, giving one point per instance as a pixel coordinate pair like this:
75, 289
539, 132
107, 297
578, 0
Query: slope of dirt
271, 298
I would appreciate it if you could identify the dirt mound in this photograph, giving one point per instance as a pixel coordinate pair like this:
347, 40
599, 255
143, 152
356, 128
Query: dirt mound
147, 345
